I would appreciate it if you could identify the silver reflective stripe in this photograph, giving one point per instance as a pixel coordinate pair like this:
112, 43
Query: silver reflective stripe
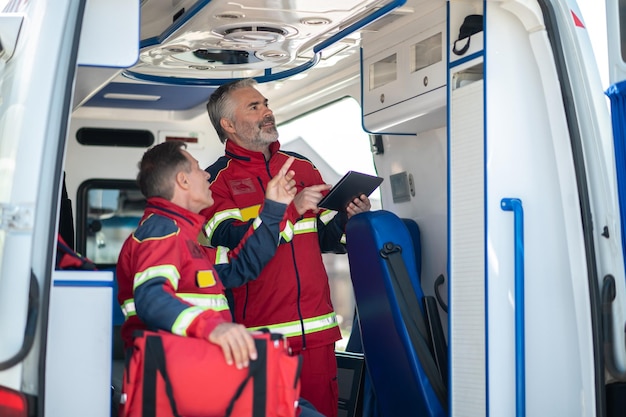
343, 239
256, 223
327, 216
294, 328
221, 255
220, 217
167, 271
306, 226
287, 232
184, 319
217, 302
128, 308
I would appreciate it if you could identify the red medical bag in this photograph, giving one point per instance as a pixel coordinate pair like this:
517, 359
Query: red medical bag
175, 376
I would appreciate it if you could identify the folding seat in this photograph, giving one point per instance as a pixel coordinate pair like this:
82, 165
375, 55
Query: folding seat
400, 346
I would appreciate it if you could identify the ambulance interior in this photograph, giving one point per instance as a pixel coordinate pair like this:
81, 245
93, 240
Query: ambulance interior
358, 87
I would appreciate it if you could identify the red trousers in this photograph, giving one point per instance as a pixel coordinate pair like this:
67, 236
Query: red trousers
319, 379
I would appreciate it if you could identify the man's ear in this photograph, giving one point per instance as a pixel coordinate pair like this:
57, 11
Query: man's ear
227, 125
181, 180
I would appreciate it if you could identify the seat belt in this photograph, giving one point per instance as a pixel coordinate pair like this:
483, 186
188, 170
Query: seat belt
414, 319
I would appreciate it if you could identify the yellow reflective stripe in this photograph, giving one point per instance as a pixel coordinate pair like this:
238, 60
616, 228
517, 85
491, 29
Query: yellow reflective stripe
184, 319
287, 232
305, 226
217, 302
294, 328
343, 239
327, 216
128, 308
256, 223
221, 255
167, 271
210, 226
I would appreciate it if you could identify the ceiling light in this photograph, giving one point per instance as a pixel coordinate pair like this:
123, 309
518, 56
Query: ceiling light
230, 15
315, 21
136, 97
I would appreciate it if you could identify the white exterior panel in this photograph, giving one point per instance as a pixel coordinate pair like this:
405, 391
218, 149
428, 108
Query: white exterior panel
78, 360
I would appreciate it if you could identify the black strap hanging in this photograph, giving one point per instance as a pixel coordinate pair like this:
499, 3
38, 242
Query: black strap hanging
413, 317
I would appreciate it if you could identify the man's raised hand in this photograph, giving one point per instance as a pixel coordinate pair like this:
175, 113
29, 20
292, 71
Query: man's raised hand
282, 188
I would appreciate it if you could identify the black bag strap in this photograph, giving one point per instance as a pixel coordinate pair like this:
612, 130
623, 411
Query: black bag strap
257, 371
414, 319
154, 362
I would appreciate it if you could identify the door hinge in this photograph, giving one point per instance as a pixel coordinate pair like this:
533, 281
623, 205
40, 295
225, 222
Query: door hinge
15, 217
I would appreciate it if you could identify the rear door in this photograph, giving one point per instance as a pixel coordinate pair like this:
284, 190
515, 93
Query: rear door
40, 42
614, 291
534, 228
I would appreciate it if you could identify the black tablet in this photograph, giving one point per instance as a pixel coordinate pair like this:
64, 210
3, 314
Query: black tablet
352, 185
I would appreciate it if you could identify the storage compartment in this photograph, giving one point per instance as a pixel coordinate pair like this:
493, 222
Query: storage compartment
466, 25
403, 86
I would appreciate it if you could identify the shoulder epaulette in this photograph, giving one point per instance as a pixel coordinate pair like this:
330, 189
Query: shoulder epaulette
217, 166
297, 156
156, 227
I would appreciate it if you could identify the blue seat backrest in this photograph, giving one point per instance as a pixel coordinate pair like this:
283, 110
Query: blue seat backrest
400, 383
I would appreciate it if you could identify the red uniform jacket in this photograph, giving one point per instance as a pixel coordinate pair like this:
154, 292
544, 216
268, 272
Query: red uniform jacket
167, 280
292, 295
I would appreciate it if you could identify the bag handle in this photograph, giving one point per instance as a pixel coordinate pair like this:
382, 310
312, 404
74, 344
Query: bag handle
257, 371
155, 361
464, 48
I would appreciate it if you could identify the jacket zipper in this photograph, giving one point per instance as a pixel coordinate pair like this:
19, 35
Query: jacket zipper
295, 267
295, 264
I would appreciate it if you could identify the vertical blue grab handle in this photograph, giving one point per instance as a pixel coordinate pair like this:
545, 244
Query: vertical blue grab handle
515, 205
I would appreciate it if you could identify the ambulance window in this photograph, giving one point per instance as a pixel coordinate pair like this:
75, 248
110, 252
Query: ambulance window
108, 212
333, 139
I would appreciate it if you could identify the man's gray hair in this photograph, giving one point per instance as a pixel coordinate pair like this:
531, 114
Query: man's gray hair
220, 106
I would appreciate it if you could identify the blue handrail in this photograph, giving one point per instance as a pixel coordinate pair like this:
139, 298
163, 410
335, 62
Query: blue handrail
515, 205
